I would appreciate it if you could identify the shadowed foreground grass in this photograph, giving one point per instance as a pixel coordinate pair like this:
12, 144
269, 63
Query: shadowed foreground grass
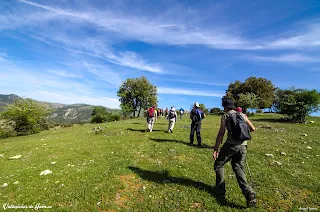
123, 168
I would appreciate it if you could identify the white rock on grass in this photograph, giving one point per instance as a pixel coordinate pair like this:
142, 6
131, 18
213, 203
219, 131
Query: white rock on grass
276, 163
45, 172
305, 135
15, 157
309, 147
270, 155
4, 185
283, 153
312, 122
1, 155
16, 183
54, 162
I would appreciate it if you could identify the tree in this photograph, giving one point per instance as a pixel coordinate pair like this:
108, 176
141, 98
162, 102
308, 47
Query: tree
297, 103
203, 108
247, 100
136, 95
261, 87
216, 111
27, 116
99, 114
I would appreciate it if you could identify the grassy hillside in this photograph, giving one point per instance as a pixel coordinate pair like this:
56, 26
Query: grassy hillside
123, 168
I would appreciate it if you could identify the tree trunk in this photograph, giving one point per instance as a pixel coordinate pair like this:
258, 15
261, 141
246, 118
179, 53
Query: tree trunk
139, 112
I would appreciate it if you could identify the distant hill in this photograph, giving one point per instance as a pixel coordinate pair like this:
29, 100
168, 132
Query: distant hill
63, 113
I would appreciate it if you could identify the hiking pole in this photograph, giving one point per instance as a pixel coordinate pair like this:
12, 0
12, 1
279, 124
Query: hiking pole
251, 180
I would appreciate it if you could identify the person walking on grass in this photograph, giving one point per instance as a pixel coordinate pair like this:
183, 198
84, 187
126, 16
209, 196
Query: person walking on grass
234, 149
151, 117
181, 112
172, 118
196, 115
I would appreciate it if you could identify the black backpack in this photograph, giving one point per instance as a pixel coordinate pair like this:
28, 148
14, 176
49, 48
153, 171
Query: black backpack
240, 130
195, 116
172, 114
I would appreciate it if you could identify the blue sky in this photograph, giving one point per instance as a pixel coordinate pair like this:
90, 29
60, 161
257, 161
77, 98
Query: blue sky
69, 51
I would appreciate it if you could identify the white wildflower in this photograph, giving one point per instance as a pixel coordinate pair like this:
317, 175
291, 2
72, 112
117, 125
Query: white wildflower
54, 162
16, 183
309, 147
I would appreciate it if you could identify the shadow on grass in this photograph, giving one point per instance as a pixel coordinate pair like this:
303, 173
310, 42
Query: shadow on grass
164, 177
140, 130
203, 146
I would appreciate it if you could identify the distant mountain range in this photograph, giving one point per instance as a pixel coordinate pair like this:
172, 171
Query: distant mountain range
63, 113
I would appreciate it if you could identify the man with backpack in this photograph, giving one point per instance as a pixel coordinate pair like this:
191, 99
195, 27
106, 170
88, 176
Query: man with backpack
172, 117
151, 117
196, 115
234, 149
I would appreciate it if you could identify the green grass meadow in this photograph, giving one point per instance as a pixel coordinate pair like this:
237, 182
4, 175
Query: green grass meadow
124, 168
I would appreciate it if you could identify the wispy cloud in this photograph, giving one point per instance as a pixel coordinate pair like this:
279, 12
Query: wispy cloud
104, 73
71, 98
180, 91
309, 37
153, 30
288, 58
63, 73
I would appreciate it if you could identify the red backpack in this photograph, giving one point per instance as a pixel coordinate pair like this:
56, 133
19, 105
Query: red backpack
151, 112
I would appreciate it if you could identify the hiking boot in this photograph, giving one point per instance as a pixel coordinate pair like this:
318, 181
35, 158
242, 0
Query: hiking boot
199, 145
191, 143
251, 199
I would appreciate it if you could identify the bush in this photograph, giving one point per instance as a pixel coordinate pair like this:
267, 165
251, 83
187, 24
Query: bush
259, 111
27, 116
216, 111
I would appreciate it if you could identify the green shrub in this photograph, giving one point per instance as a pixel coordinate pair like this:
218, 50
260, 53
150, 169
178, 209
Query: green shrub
27, 116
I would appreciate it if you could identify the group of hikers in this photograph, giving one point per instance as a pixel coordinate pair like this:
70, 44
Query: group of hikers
234, 149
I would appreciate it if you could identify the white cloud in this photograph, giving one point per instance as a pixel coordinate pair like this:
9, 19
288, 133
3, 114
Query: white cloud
307, 38
180, 91
104, 73
289, 58
153, 30
72, 98
42, 86
63, 73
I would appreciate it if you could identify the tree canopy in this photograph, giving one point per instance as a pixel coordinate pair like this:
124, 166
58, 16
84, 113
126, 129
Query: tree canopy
261, 87
136, 95
297, 103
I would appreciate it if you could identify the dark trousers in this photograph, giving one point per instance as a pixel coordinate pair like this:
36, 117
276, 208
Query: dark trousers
195, 126
237, 155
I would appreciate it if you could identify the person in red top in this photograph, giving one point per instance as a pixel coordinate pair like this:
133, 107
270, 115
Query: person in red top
151, 117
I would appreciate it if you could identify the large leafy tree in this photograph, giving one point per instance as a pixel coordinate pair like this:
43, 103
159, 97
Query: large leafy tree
136, 95
261, 87
247, 100
27, 116
297, 103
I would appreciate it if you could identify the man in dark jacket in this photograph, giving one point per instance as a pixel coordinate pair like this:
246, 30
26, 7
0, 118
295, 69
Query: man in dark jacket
196, 115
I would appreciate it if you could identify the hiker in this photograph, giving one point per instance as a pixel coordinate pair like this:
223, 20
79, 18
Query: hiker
234, 150
151, 117
196, 115
181, 112
166, 112
172, 118
239, 109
